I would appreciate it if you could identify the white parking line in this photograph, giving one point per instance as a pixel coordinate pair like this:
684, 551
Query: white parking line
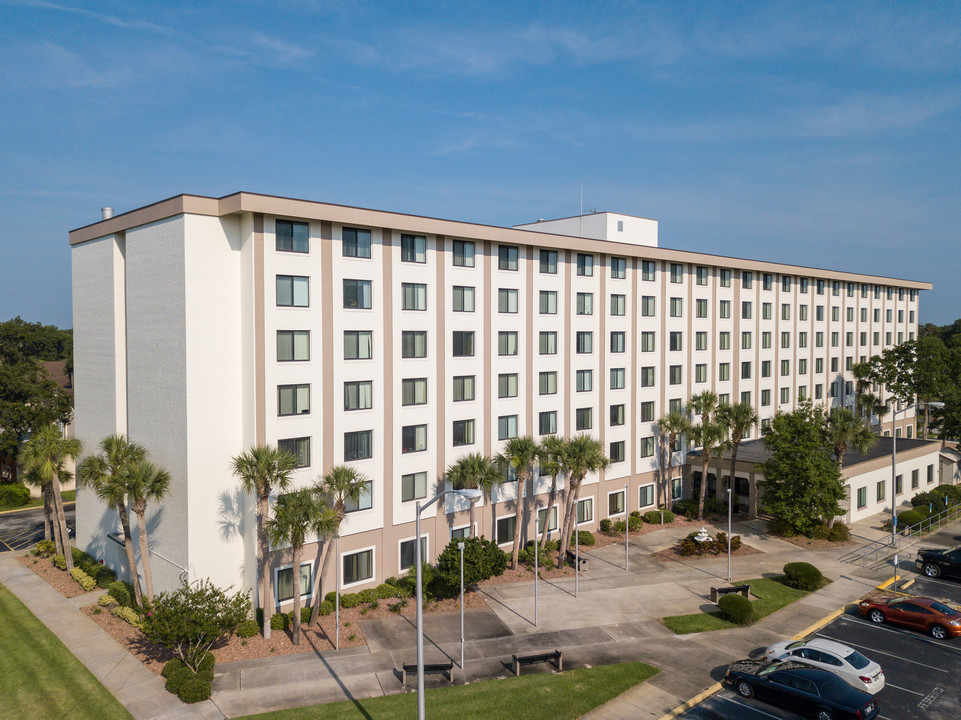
916, 634
881, 652
927, 579
749, 707
898, 687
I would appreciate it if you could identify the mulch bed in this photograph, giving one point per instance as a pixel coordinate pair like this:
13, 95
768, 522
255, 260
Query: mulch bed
605, 539
58, 579
809, 544
673, 554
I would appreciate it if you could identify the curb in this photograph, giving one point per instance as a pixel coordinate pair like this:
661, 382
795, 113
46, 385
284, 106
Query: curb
66, 505
830, 617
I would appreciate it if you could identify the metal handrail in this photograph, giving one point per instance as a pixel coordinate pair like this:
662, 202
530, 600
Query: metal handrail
872, 551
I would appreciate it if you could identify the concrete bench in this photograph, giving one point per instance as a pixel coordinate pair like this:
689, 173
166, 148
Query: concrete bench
716, 593
573, 557
556, 656
446, 668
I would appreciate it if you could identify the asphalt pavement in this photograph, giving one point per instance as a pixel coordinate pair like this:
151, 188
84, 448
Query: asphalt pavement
21, 529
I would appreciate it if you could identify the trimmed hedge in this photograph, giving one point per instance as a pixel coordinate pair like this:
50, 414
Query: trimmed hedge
128, 614
108, 601
279, 621
171, 665
85, 581
350, 600
248, 628
908, 518
584, 537
736, 608
195, 688
59, 562
14, 495
177, 677
839, 533
120, 592
326, 608
653, 517
305, 615
803, 576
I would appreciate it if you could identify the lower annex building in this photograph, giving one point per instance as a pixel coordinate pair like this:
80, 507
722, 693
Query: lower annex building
397, 344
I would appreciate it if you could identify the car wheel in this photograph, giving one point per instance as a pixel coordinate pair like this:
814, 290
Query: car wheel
938, 632
876, 616
744, 689
824, 714
931, 570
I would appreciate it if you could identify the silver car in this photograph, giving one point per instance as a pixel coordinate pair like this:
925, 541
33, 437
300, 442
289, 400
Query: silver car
850, 665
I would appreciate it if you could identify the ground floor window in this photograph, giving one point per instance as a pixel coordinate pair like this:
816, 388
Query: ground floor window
676, 489
881, 485
505, 529
898, 485
284, 582
645, 495
460, 533
408, 552
862, 497
585, 510
615, 503
742, 486
358, 566
542, 516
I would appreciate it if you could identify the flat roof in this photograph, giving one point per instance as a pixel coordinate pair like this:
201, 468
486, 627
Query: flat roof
247, 202
755, 451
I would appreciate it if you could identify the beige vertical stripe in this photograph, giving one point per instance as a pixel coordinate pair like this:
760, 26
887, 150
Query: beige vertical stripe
326, 332
260, 351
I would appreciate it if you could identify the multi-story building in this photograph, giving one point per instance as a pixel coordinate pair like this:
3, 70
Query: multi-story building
398, 343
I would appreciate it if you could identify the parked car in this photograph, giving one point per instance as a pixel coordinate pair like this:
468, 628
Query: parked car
845, 662
801, 688
935, 562
920, 613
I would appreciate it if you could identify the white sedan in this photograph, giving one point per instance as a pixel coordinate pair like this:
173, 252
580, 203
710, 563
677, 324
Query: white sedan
850, 665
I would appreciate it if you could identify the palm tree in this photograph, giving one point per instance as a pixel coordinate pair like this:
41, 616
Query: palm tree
843, 430
552, 463
737, 420
708, 435
43, 457
473, 471
519, 454
873, 406
670, 427
296, 515
582, 454
146, 482
107, 473
339, 484
262, 470
863, 377
51, 530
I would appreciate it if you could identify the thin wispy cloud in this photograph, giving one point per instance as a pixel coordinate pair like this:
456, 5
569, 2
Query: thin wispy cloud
112, 20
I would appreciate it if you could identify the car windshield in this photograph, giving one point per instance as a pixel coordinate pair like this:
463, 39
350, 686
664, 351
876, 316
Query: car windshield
857, 660
943, 609
795, 644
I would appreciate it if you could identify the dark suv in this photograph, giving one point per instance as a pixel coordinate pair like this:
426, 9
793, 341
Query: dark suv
935, 562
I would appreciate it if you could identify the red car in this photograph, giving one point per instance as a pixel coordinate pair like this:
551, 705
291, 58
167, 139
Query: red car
920, 613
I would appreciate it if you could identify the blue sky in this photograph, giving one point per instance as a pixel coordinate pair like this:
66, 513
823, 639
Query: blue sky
823, 134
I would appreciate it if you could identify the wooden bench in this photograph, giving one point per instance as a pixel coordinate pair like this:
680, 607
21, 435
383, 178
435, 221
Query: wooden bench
556, 656
429, 669
716, 593
573, 557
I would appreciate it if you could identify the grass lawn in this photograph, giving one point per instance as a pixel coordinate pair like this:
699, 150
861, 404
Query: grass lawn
544, 696
40, 678
68, 496
771, 595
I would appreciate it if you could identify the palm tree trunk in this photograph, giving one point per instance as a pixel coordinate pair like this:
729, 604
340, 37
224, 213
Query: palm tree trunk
145, 555
570, 502
517, 526
47, 512
296, 571
703, 494
550, 504
131, 560
733, 468
318, 587
263, 507
54, 521
61, 521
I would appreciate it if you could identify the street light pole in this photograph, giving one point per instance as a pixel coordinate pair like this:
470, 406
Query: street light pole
577, 553
536, 553
627, 524
729, 534
894, 462
460, 546
337, 579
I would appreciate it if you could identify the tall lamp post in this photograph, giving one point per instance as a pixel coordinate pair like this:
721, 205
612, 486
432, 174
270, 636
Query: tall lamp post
460, 546
470, 494
894, 462
729, 534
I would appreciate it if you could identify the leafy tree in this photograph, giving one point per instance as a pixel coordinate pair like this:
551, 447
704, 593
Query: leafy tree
843, 430
914, 370
552, 463
670, 428
106, 472
519, 454
262, 470
474, 472
802, 483
482, 560
582, 455
192, 618
863, 377
44, 456
146, 482
708, 434
737, 420
20, 340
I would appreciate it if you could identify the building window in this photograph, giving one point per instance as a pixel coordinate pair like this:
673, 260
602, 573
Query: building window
413, 344
786, 283
463, 298
746, 280
647, 341
547, 383
507, 300
585, 264
293, 345
507, 343
765, 311
930, 474
542, 518
617, 378
820, 287
547, 343
506, 427
802, 339
356, 242
677, 273
549, 262
674, 405
677, 307
618, 268
413, 296
358, 567
358, 395
785, 368
547, 422
745, 371
724, 371
585, 303
862, 497
785, 339
616, 453
507, 385
700, 373
725, 278
292, 236
618, 342
647, 270
647, 306
358, 445
746, 400
803, 282
647, 447
463, 253
914, 478
701, 272
724, 310
505, 529
358, 344
785, 395
880, 490
700, 308
414, 391
724, 340
645, 496
364, 501
765, 368
413, 248
285, 582
463, 432
617, 415
765, 398
413, 438
507, 257
615, 503
462, 343
413, 486
584, 418
357, 294
746, 310
293, 399
675, 375
548, 302
293, 291
463, 388
618, 305
700, 340
585, 510
585, 342
745, 341
298, 447
408, 552
647, 377
765, 340
676, 339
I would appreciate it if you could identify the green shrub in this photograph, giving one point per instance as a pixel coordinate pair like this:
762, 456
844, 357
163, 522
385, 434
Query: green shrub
735, 543
120, 592
326, 608
819, 532
908, 518
936, 497
59, 562
781, 527
584, 537
713, 506
391, 581
384, 591
545, 559
248, 628
206, 664
839, 533
85, 581
618, 526
635, 513
305, 615
45, 548
350, 600
195, 689
278, 621
14, 494
635, 522
668, 516
177, 677
105, 577
171, 666
688, 547
128, 614
107, 601
368, 595
331, 597
605, 525
803, 576
482, 560
652, 517
736, 608
688, 508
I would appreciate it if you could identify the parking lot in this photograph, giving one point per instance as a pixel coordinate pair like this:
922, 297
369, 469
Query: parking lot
19, 530
922, 674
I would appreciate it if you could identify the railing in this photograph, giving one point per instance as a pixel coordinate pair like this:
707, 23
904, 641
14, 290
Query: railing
875, 551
